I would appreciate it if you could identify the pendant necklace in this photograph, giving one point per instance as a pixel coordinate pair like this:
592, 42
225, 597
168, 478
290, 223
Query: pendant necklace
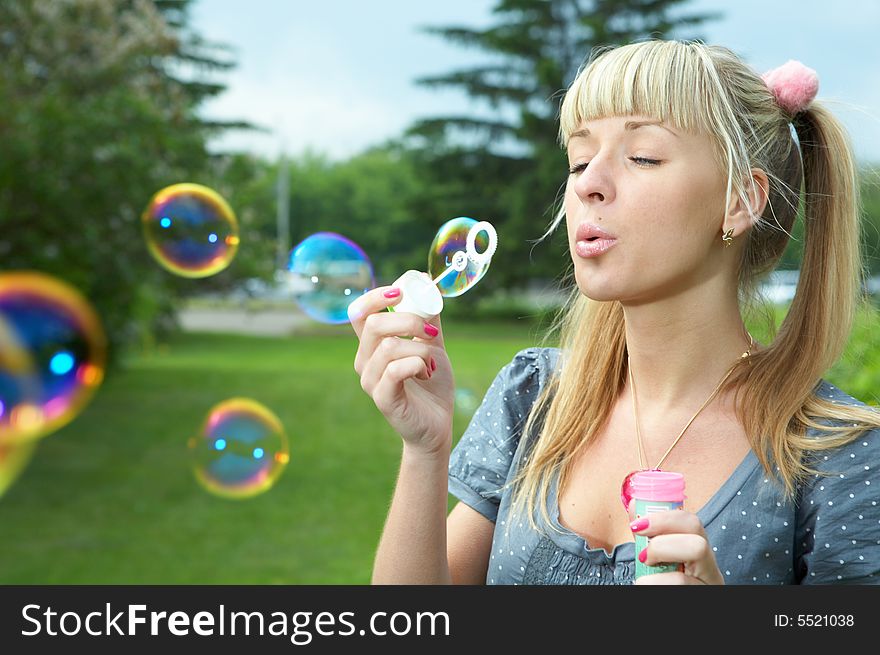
626, 487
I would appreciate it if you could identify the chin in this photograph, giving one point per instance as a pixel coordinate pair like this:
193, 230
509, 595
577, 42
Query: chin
594, 290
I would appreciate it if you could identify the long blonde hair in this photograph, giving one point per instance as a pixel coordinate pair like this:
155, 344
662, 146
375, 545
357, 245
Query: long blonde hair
709, 90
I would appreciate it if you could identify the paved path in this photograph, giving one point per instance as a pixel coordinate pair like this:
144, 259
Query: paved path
269, 322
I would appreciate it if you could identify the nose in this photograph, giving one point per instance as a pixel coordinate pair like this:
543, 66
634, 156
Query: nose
595, 183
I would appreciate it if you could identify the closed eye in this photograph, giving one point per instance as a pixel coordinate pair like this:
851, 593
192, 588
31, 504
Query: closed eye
644, 161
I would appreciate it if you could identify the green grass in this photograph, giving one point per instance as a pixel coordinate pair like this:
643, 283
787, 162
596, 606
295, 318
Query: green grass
111, 499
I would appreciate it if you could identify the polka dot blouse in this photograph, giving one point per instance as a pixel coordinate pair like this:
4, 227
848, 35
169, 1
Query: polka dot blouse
830, 536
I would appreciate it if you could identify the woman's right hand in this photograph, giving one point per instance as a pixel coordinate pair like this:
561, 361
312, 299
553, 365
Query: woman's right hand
410, 380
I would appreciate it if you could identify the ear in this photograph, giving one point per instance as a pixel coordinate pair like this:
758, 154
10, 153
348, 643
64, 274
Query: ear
738, 215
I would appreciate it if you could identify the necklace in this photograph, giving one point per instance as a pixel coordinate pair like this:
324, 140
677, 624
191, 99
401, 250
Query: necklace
626, 487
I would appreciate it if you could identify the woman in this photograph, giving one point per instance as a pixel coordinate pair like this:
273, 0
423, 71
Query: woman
683, 187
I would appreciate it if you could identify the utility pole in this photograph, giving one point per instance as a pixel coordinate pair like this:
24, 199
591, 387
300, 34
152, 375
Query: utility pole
283, 207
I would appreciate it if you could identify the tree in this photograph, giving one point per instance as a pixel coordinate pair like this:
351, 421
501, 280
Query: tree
508, 167
97, 112
870, 197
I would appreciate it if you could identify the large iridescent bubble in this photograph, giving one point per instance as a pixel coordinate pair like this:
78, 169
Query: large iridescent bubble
190, 230
241, 449
451, 238
52, 355
20, 388
327, 271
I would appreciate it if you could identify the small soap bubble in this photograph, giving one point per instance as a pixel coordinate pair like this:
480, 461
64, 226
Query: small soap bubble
190, 230
466, 401
327, 272
241, 449
52, 355
14, 458
451, 238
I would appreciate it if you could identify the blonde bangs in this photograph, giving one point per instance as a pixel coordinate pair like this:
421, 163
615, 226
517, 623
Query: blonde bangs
654, 79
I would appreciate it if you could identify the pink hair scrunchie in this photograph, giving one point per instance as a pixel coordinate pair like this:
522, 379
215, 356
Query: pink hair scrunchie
793, 85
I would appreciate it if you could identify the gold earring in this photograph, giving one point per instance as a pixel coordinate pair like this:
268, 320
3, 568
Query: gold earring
728, 237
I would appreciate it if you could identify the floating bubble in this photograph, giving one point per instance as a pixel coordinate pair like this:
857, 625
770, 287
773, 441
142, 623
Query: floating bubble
466, 401
241, 449
190, 230
452, 237
52, 355
327, 272
13, 460
19, 385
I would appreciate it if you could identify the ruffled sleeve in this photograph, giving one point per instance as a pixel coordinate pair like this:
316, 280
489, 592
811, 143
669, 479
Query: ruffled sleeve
479, 465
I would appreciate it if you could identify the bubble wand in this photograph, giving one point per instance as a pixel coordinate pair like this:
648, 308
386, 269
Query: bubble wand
420, 293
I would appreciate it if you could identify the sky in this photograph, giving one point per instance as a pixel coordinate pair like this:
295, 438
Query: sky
338, 76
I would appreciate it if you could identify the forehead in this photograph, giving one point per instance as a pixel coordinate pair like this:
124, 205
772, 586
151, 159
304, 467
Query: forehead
626, 124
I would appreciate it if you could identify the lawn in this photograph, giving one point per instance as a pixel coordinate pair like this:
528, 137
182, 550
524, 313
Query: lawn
111, 499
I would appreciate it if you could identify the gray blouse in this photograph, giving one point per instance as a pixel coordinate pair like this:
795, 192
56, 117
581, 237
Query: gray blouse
830, 536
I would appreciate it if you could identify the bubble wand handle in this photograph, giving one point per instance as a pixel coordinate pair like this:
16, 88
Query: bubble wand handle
460, 258
459, 263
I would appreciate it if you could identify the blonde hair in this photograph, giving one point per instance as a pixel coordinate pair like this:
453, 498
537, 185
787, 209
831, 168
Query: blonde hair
709, 90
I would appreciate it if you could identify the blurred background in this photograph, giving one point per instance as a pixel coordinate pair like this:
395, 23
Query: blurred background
380, 121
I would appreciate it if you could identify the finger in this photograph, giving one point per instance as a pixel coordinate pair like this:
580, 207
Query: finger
389, 390
435, 321
395, 324
375, 300
438, 338
670, 548
673, 521
670, 578
390, 349
690, 550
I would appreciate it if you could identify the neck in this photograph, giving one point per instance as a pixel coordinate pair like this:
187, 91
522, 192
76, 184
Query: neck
679, 350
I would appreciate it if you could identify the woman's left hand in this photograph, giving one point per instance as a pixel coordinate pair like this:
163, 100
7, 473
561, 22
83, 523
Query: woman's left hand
678, 537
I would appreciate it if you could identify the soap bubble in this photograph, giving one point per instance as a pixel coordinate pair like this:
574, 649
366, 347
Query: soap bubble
327, 272
14, 458
452, 237
466, 401
190, 230
241, 449
52, 355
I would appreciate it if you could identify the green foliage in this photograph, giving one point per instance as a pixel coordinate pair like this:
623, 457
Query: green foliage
870, 197
372, 198
92, 123
869, 189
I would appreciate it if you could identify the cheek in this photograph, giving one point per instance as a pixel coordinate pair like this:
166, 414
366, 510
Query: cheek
678, 204
570, 204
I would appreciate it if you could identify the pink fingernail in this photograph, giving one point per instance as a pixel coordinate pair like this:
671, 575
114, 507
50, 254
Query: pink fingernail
643, 555
430, 330
392, 293
638, 526
433, 364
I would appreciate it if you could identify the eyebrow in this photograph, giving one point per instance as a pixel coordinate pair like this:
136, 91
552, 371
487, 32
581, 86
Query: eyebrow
629, 126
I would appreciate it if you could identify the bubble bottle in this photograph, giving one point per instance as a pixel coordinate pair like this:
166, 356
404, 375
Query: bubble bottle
655, 491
